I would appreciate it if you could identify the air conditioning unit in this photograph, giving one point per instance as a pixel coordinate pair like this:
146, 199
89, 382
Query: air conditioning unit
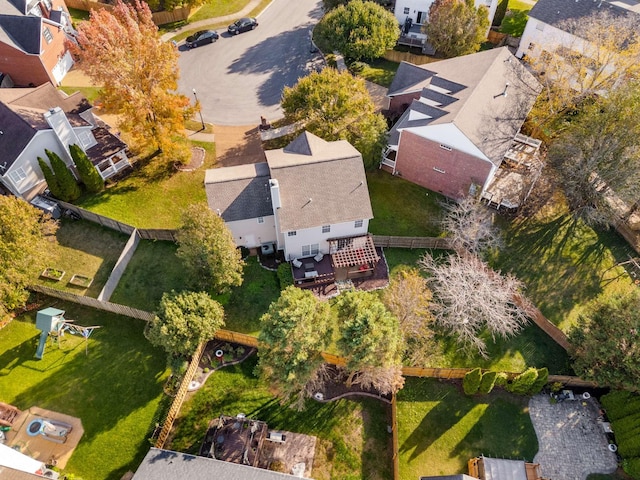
277, 437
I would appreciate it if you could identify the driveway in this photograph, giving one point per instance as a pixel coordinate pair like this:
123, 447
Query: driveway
240, 78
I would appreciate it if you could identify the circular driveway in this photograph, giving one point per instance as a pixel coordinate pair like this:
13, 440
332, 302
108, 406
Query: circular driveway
240, 78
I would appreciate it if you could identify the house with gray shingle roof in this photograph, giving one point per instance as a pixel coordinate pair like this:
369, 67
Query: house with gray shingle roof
310, 199
32, 41
35, 119
547, 24
457, 120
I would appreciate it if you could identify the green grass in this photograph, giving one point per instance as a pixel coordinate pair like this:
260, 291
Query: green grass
88, 249
402, 208
563, 263
153, 270
78, 16
154, 195
380, 71
218, 8
440, 429
90, 93
116, 390
516, 18
352, 438
245, 305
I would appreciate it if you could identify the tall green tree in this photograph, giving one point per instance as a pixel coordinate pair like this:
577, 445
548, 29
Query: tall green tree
69, 188
605, 345
26, 240
207, 249
456, 27
50, 178
183, 321
359, 30
294, 332
88, 173
122, 51
337, 106
598, 155
371, 341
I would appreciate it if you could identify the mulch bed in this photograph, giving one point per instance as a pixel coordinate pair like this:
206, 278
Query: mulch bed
335, 388
197, 160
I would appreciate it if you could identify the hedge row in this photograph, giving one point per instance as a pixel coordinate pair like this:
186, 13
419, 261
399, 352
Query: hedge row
623, 409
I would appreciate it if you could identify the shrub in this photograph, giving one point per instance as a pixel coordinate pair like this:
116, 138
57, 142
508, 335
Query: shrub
620, 403
88, 173
501, 10
540, 382
278, 466
69, 189
240, 351
487, 383
629, 447
471, 381
521, 385
632, 467
331, 60
357, 67
52, 181
501, 379
626, 426
556, 387
285, 277
205, 370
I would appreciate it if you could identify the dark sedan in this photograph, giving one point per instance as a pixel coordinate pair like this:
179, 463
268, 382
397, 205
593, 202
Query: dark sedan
242, 25
202, 38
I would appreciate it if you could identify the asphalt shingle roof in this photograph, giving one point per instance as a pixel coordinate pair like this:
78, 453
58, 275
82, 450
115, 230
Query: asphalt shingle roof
168, 465
239, 193
321, 183
554, 12
22, 32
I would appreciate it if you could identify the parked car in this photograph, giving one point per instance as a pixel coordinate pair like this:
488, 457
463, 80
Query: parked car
202, 38
242, 25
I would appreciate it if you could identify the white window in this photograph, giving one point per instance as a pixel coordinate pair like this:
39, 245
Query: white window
358, 224
406, 10
308, 250
326, 228
292, 233
17, 175
47, 35
445, 147
86, 139
439, 170
260, 219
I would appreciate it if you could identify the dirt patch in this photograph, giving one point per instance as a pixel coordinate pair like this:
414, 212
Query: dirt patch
238, 145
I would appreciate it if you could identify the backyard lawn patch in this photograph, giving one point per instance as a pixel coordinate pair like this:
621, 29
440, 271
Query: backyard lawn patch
85, 248
153, 270
440, 429
516, 18
402, 208
352, 435
380, 71
218, 8
116, 390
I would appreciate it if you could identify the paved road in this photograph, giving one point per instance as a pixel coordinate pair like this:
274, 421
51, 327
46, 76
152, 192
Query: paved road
240, 78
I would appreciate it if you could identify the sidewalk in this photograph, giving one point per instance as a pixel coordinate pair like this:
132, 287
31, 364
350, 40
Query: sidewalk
210, 21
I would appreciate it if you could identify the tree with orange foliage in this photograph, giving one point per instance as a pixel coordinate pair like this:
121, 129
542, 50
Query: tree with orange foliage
122, 51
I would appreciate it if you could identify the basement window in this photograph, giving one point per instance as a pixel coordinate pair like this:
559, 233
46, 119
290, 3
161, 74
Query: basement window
260, 219
439, 170
445, 147
292, 233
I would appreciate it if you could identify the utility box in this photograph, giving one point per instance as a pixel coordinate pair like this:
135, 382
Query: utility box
277, 437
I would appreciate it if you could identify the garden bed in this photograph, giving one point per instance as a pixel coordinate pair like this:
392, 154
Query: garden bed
54, 274
81, 281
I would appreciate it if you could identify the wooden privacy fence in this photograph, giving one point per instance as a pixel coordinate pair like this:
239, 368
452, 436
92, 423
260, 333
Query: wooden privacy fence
157, 234
236, 337
94, 303
389, 241
174, 410
395, 56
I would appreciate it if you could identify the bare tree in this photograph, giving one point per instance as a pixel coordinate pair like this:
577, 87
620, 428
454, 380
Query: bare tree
470, 298
604, 52
469, 225
408, 298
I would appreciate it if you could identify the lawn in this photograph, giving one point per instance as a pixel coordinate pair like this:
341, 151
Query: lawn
116, 390
154, 195
218, 8
402, 208
87, 249
90, 93
352, 435
516, 18
564, 263
440, 429
380, 71
153, 270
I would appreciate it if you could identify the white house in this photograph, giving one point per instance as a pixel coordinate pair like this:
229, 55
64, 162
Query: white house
545, 24
309, 199
35, 119
413, 14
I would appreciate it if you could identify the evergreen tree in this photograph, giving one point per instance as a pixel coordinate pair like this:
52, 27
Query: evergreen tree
69, 189
88, 173
471, 381
51, 179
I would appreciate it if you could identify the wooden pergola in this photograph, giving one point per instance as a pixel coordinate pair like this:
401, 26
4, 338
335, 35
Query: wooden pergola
352, 251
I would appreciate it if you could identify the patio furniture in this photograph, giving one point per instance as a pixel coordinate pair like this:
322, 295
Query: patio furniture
318, 258
311, 274
296, 263
308, 267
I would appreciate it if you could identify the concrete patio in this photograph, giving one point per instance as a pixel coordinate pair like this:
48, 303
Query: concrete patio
572, 439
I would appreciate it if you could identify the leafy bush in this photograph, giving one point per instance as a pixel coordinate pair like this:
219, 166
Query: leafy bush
620, 403
471, 381
556, 387
357, 67
501, 379
632, 467
285, 277
488, 382
521, 385
540, 382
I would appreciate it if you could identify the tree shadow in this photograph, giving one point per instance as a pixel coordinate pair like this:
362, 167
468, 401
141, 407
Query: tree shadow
292, 45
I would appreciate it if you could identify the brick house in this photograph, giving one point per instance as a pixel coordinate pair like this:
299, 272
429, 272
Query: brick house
32, 41
458, 118
35, 119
